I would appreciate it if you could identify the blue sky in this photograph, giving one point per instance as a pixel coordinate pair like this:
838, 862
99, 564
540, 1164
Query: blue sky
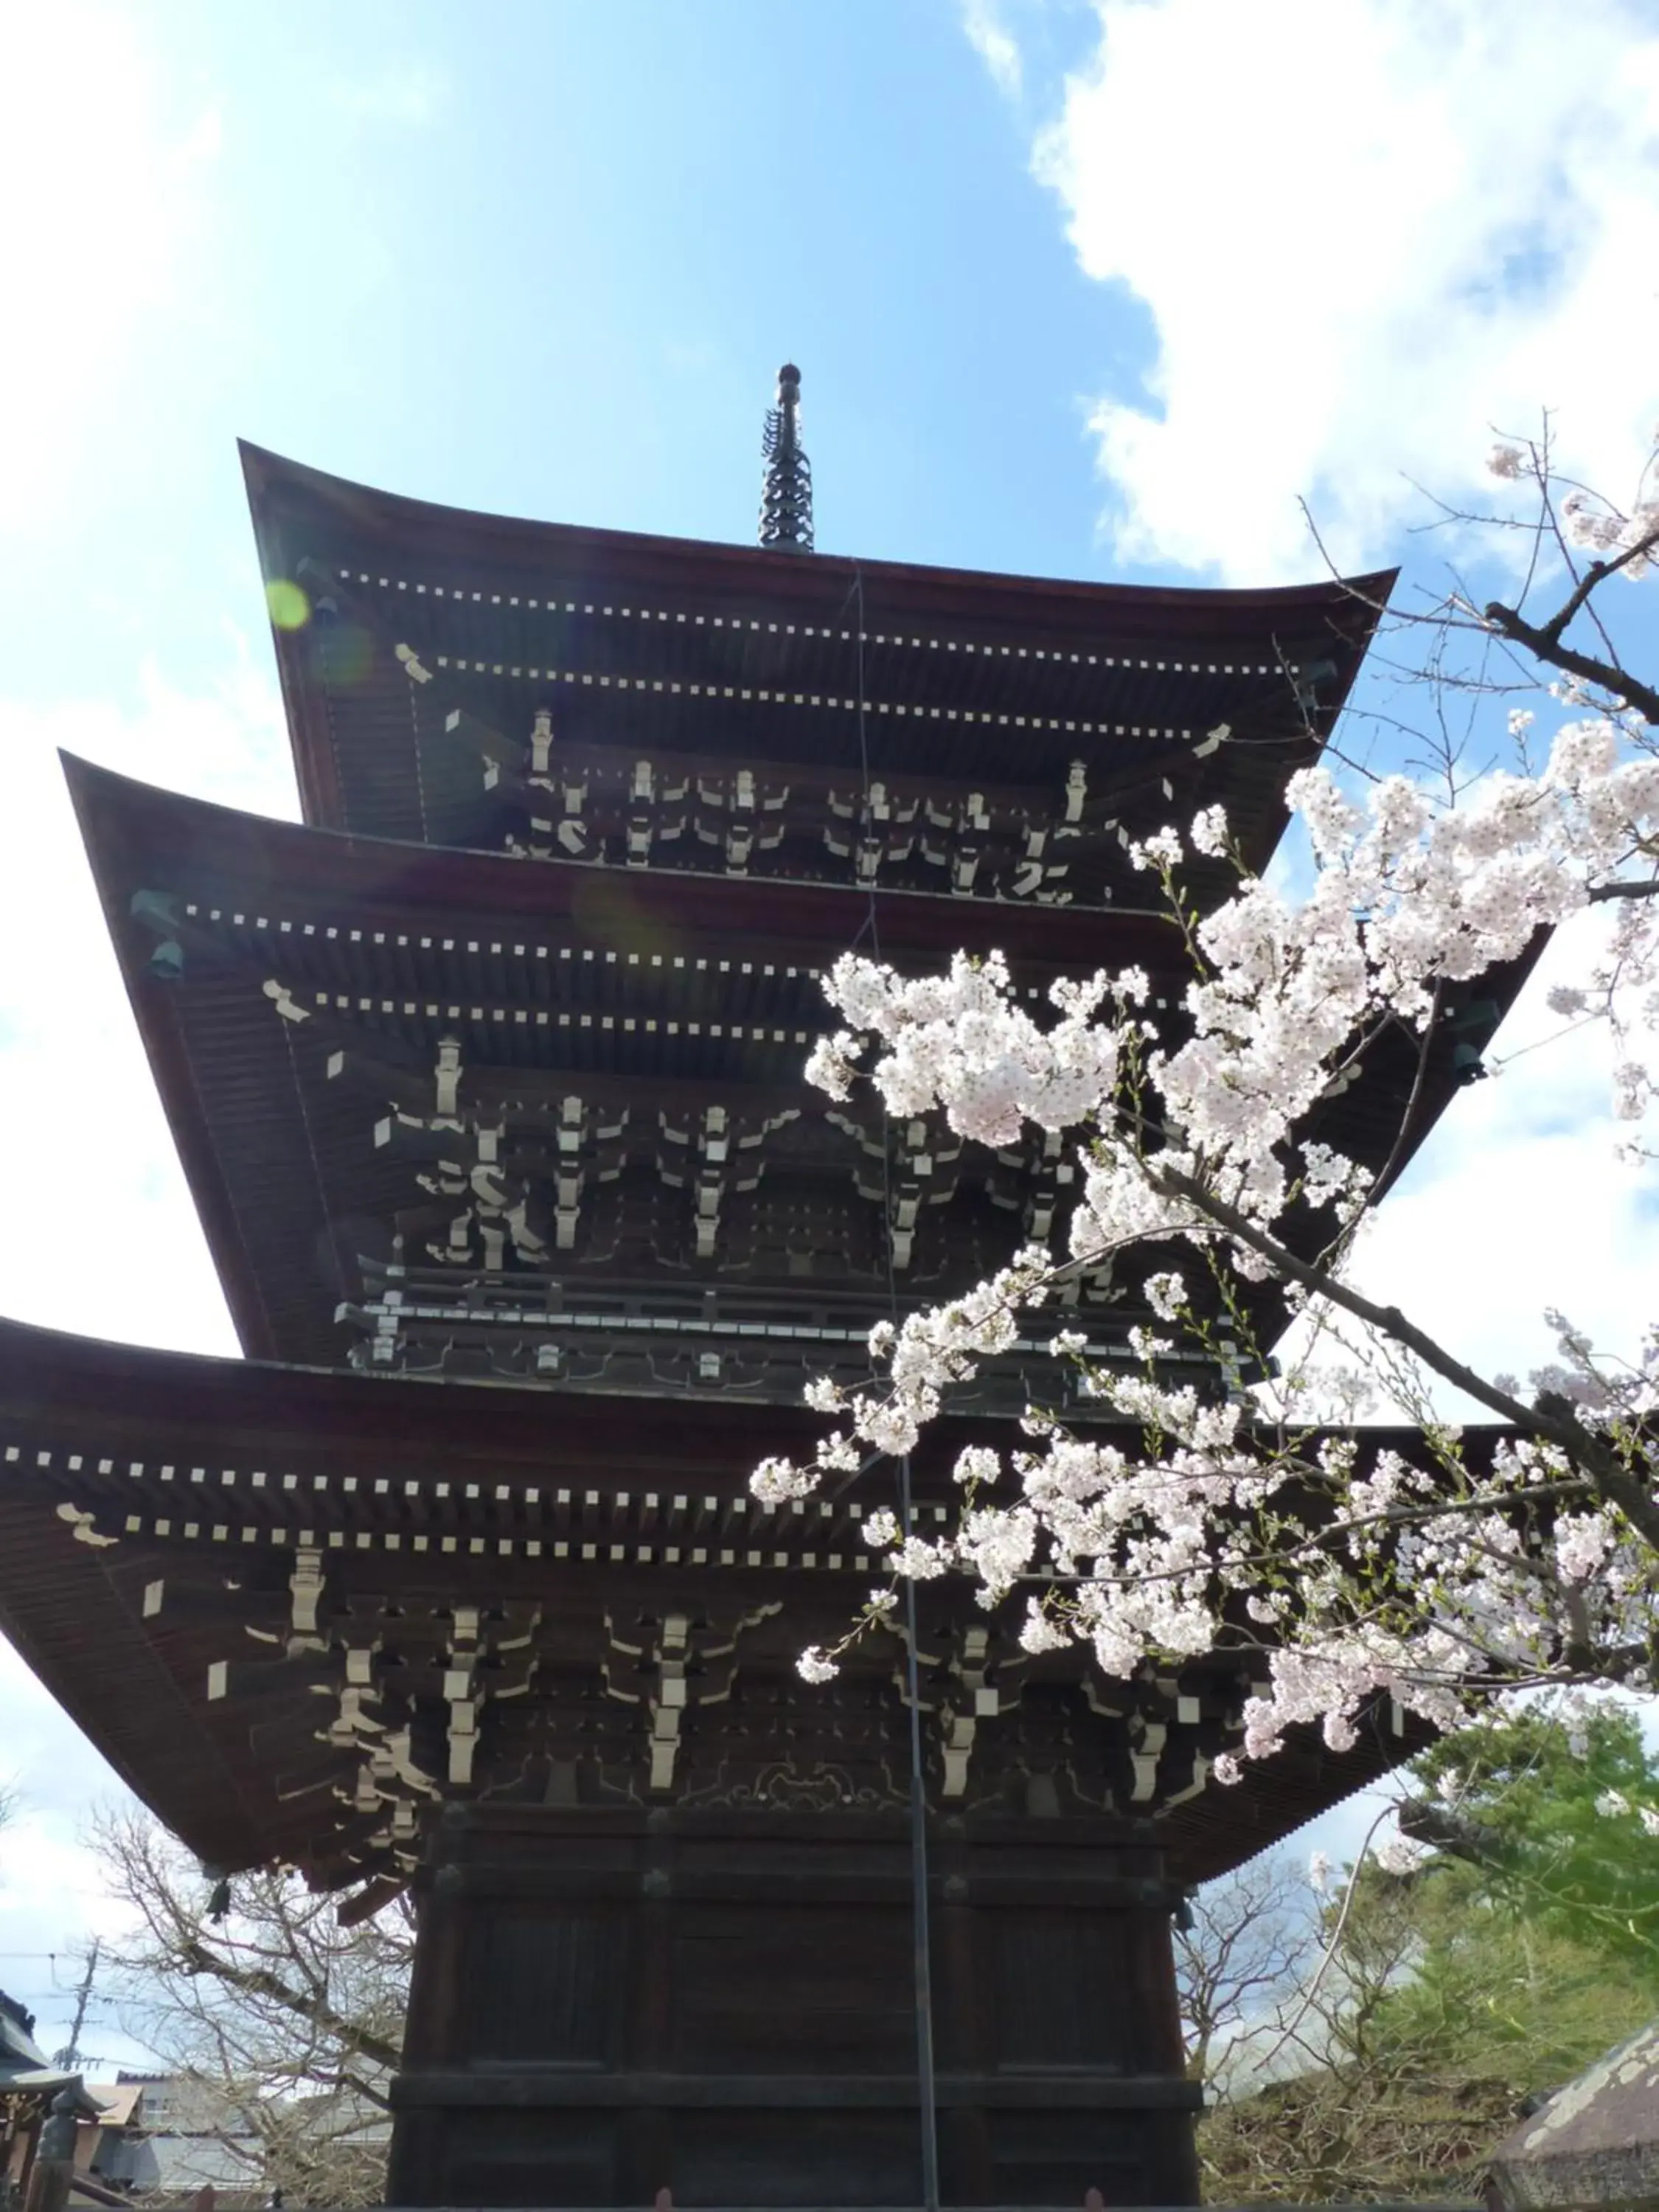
549, 264
1082, 290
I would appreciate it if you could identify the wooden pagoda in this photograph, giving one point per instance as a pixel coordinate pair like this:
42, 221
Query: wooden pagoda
488, 1082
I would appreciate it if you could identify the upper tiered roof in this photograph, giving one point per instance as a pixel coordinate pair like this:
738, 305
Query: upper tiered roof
928, 729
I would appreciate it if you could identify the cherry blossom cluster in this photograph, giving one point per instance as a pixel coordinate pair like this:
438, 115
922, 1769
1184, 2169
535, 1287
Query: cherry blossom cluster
1407, 899
1629, 537
1342, 1573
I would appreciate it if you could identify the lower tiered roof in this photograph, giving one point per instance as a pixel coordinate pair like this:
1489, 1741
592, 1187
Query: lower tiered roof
294, 1609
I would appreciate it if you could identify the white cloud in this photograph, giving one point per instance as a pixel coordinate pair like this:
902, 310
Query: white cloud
1364, 230
1517, 1202
50, 1884
691, 356
994, 43
53, 1895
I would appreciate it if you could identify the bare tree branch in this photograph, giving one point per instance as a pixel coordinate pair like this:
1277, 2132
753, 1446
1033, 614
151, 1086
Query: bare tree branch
1545, 640
291, 2025
1612, 1478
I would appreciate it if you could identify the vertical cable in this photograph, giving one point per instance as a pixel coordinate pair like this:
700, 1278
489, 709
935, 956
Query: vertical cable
926, 2087
918, 1913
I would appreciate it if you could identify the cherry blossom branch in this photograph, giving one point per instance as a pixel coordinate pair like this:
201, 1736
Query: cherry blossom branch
1613, 1481
1406, 1134
1368, 1570
1288, 1552
1596, 572
1544, 642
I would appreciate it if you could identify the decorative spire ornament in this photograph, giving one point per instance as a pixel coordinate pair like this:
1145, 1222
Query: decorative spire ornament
786, 515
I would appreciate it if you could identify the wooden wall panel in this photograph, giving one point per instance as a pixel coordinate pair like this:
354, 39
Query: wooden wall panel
735, 2158
549, 2159
606, 2004
795, 1990
547, 1988
1061, 1983
1055, 2158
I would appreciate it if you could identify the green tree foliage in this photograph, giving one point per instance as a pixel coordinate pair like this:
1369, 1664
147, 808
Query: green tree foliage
1546, 1814
1519, 1951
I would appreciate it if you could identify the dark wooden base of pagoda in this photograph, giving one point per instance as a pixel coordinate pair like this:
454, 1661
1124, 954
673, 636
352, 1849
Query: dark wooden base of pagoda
606, 2004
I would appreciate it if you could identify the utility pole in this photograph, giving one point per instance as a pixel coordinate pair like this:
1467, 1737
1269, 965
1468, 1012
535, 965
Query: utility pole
71, 2059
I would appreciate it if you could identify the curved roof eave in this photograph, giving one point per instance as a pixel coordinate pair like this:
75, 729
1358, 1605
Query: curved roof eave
277, 486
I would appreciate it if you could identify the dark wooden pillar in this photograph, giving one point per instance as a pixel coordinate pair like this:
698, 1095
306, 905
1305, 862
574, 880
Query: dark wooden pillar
608, 2003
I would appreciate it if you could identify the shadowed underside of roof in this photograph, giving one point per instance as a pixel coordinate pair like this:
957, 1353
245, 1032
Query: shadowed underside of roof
393, 611
293, 984
153, 1507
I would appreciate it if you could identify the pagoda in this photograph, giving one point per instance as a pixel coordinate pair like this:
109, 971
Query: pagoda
488, 1082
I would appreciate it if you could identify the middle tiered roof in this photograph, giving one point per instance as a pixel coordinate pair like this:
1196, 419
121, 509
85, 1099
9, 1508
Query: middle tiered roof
446, 1111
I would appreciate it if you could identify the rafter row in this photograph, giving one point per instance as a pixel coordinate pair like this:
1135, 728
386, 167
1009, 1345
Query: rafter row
749, 625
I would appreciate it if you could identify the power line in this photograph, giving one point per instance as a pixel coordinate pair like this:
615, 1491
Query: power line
52, 1996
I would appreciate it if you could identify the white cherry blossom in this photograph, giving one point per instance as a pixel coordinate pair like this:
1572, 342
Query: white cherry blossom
1345, 1570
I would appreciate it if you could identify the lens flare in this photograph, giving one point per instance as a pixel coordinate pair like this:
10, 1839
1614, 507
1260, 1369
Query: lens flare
606, 908
289, 607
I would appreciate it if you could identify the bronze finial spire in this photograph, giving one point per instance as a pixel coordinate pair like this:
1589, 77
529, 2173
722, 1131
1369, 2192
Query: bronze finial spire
786, 515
